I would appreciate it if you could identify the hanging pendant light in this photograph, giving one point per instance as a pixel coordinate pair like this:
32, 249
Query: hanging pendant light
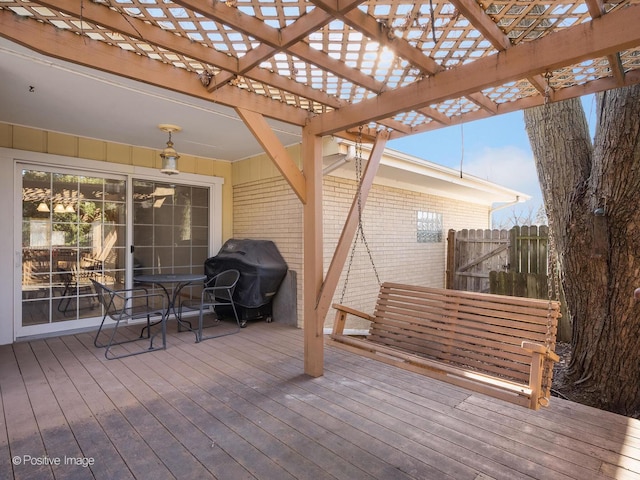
169, 155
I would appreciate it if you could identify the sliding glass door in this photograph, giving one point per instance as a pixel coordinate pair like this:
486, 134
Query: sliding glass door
78, 226
73, 230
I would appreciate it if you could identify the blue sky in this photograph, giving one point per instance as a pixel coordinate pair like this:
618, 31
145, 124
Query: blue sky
495, 149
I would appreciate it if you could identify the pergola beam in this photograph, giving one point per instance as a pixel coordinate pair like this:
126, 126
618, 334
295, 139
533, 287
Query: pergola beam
272, 38
597, 10
289, 38
594, 86
473, 12
101, 56
318, 292
313, 252
293, 35
611, 33
369, 27
135, 28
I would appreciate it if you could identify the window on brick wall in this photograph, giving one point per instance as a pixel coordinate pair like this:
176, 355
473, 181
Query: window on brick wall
429, 227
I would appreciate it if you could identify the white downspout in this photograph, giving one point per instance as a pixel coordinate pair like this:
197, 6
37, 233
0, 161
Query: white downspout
342, 158
500, 207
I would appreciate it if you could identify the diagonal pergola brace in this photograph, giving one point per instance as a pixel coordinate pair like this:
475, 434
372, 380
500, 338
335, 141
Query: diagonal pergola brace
261, 130
349, 230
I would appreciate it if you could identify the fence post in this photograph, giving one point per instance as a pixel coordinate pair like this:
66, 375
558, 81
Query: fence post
514, 257
451, 259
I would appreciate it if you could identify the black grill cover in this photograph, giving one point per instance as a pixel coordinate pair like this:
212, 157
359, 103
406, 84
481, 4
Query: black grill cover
261, 268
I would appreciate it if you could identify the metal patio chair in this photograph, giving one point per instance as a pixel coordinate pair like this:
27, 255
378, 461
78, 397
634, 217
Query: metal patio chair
130, 304
218, 292
77, 285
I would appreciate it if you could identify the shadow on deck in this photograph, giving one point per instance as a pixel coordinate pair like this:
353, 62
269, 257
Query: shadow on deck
240, 407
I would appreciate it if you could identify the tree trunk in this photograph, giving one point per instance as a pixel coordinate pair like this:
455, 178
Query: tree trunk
592, 202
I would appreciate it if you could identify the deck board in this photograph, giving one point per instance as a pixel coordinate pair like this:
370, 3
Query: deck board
76, 398
5, 453
257, 399
20, 422
240, 407
59, 441
438, 437
264, 375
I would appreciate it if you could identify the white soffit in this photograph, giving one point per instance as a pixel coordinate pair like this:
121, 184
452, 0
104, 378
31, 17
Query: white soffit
411, 173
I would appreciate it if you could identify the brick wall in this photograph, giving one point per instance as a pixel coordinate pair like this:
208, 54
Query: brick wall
268, 209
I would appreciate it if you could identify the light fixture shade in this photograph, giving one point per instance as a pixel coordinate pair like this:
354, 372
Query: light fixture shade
43, 207
169, 155
169, 160
59, 208
69, 209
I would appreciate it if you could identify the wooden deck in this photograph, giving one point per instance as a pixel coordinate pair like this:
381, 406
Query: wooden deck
239, 407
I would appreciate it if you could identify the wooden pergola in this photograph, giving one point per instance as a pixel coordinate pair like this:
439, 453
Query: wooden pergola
383, 69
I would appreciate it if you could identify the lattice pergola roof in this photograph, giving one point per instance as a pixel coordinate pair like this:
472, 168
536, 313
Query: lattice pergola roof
383, 68
396, 65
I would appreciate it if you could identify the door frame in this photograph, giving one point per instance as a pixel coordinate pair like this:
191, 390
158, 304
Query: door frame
11, 328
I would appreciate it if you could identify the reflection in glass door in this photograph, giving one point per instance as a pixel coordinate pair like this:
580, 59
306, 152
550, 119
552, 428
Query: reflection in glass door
73, 229
170, 228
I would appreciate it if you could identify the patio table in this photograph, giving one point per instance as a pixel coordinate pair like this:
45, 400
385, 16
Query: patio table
172, 284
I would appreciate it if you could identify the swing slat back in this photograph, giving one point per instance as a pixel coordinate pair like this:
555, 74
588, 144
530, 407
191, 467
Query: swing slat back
467, 338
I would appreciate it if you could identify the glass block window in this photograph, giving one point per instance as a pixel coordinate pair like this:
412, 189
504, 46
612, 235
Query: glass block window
429, 227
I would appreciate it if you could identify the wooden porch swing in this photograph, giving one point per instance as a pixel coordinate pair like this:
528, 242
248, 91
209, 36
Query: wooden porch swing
493, 344
497, 345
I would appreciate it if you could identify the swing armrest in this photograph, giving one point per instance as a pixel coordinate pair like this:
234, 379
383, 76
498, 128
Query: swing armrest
538, 348
353, 311
539, 367
341, 317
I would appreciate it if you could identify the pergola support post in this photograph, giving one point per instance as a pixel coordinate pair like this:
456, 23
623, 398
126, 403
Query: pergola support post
319, 290
312, 245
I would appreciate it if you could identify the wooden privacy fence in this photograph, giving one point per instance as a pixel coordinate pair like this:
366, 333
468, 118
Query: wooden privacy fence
508, 262
472, 254
528, 265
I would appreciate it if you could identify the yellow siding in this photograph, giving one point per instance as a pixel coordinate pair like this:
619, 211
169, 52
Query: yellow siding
60, 144
118, 153
34, 140
92, 149
6, 132
261, 167
143, 157
29, 139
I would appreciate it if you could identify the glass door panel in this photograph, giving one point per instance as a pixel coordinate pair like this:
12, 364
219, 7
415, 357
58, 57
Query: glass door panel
73, 229
170, 228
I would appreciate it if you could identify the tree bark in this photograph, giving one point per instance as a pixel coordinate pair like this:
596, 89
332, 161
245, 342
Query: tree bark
591, 196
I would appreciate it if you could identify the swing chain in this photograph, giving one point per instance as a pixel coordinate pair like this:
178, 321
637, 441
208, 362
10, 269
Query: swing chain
360, 223
553, 273
360, 232
547, 89
553, 282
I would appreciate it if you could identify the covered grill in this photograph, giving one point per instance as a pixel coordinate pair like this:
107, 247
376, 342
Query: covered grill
261, 268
